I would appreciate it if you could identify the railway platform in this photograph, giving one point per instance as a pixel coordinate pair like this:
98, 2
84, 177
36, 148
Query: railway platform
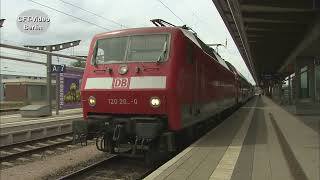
16, 129
261, 140
16, 118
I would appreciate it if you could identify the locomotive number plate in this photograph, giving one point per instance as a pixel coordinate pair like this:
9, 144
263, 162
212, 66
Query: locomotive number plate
122, 101
120, 83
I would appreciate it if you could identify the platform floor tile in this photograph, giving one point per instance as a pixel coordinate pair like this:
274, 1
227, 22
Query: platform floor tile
261, 141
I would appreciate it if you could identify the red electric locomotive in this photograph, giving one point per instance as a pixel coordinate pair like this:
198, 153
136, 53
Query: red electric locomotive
141, 87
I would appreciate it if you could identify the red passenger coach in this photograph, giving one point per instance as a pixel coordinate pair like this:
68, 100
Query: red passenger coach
142, 87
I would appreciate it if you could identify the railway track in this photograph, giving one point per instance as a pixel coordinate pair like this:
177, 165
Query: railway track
121, 167
8, 111
112, 167
15, 151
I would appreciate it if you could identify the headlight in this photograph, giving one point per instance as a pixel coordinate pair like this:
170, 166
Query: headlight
155, 102
92, 101
123, 69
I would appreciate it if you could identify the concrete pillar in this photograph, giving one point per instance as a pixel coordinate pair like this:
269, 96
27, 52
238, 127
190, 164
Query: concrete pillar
1, 89
312, 81
289, 90
49, 82
280, 93
297, 81
317, 80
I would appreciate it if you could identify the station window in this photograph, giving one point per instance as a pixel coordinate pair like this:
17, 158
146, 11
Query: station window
317, 71
304, 88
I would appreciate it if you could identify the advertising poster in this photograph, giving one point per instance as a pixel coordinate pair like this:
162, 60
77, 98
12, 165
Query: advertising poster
69, 89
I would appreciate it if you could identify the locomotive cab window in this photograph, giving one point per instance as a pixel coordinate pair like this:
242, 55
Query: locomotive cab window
111, 49
148, 47
143, 48
100, 55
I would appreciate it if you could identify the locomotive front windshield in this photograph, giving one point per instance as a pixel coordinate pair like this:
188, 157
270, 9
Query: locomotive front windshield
143, 48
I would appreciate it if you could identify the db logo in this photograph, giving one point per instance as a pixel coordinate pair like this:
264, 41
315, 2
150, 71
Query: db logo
120, 83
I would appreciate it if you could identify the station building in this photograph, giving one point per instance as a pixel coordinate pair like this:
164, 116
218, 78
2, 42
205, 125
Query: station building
302, 87
25, 89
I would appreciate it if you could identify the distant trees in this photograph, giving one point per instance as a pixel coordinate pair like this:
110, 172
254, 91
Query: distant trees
79, 63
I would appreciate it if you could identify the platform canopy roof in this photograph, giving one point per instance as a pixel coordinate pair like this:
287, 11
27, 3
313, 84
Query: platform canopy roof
271, 34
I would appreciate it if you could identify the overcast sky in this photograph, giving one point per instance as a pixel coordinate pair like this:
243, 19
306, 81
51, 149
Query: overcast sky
201, 15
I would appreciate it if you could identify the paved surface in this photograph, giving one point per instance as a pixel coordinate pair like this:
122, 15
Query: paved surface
260, 141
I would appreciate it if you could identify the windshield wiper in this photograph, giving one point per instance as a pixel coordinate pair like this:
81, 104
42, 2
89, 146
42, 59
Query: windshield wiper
94, 58
94, 62
163, 53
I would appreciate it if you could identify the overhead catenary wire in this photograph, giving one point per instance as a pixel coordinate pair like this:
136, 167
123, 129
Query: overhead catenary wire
194, 14
167, 7
70, 15
181, 19
13, 42
95, 14
28, 54
34, 58
171, 11
24, 55
21, 73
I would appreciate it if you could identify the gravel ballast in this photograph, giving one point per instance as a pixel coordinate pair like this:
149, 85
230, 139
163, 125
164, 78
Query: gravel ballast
53, 164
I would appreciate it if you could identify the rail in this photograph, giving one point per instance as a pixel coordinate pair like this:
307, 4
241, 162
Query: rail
12, 152
112, 167
82, 171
